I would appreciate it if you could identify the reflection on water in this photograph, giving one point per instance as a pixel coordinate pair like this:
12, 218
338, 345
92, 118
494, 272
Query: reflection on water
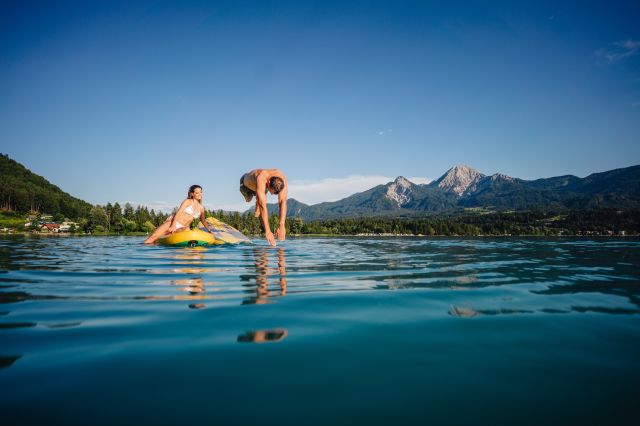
7, 361
103, 269
13, 296
473, 278
270, 281
195, 288
468, 312
263, 336
270, 276
193, 267
8, 325
192, 285
64, 325
373, 328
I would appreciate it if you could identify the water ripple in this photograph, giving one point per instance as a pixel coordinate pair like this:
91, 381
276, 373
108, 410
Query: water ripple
121, 269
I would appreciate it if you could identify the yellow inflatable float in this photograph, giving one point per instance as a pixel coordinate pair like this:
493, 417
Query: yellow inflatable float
222, 234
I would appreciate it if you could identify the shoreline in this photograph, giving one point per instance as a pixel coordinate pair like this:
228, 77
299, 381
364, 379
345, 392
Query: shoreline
381, 235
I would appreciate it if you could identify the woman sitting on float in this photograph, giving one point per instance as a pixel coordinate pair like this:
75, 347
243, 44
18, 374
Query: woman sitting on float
190, 209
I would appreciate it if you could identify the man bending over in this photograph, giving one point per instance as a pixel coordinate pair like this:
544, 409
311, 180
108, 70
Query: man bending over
258, 182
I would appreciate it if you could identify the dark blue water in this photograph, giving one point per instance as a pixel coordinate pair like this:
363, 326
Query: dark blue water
105, 330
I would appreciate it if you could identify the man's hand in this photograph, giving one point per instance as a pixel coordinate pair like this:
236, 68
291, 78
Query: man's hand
281, 233
269, 236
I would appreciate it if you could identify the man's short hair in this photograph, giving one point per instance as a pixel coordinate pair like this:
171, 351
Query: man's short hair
276, 184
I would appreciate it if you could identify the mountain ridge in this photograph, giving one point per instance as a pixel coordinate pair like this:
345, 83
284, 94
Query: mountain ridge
462, 187
459, 188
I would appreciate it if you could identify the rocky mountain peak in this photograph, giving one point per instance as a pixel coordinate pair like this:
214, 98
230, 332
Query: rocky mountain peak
501, 176
399, 191
458, 179
402, 181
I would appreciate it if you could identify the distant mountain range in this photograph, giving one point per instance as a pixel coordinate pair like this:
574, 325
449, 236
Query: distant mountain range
459, 188
462, 187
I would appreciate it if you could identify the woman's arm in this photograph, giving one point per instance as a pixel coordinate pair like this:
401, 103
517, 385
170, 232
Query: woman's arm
204, 222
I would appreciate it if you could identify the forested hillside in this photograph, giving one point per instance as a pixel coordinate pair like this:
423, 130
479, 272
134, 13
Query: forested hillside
23, 191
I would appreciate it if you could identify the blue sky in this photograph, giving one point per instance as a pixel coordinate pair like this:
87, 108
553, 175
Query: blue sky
114, 101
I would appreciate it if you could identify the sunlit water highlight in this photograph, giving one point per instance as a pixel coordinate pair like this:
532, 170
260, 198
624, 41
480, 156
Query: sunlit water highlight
319, 331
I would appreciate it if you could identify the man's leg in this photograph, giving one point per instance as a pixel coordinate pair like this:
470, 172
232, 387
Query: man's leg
246, 192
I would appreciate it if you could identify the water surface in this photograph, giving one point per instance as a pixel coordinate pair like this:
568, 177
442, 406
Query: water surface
101, 330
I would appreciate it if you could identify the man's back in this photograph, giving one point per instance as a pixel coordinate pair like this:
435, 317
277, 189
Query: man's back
251, 178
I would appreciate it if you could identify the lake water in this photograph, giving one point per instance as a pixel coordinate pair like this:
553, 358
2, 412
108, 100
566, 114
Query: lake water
104, 330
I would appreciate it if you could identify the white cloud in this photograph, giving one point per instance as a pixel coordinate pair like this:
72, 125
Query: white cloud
420, 180
333, 189
619, 50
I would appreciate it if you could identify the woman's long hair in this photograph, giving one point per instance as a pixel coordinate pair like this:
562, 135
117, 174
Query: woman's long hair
192, 189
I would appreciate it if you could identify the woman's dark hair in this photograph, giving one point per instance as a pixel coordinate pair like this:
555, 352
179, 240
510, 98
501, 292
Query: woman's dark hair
192, 189
276, 184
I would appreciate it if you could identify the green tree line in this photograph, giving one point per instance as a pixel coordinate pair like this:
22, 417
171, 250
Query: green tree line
114, 219
576, 222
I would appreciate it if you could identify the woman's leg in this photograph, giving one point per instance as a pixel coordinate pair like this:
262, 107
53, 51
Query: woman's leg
160, 231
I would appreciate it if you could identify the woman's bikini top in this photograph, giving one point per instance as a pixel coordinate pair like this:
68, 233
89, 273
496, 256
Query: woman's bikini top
189, 210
